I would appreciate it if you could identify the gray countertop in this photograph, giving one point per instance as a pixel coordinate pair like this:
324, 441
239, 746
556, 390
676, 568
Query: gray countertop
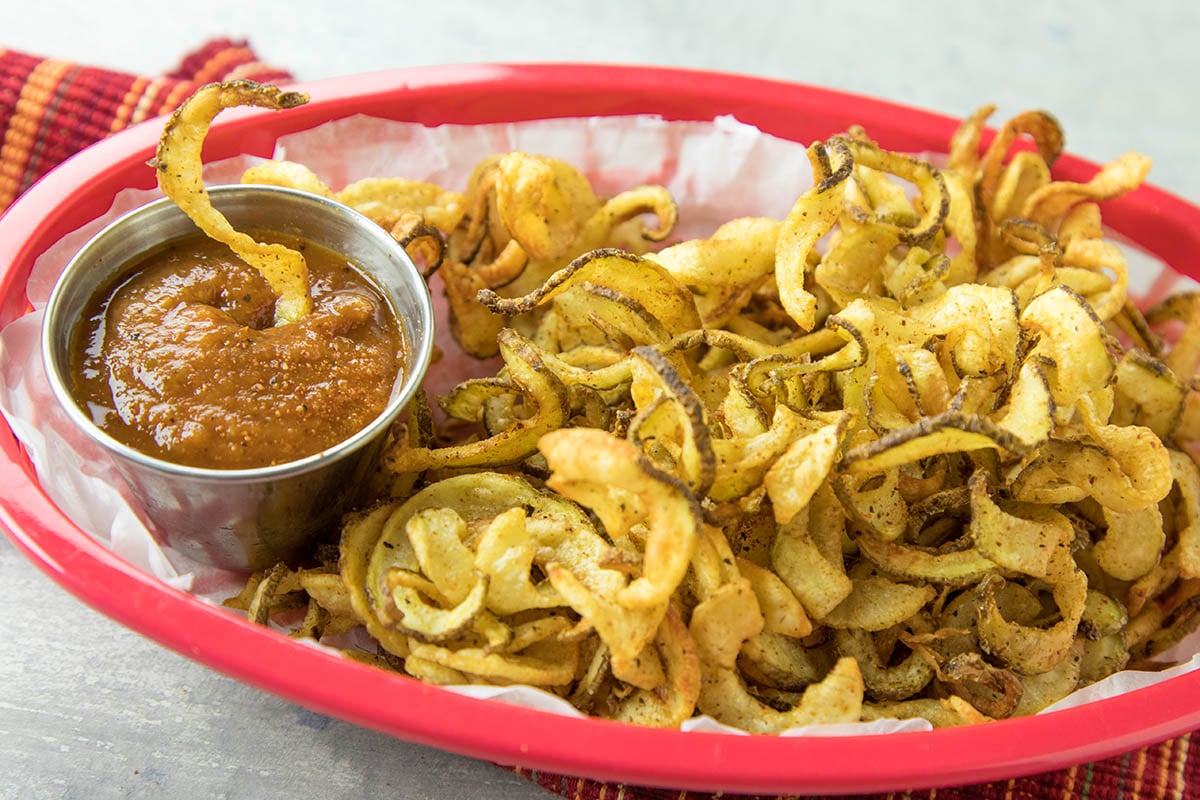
90, 709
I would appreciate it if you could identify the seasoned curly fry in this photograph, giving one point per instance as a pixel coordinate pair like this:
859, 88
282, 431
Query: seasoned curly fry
178, 166
909, 451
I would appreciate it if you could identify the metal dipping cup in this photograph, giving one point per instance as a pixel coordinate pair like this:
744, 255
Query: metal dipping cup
246, 519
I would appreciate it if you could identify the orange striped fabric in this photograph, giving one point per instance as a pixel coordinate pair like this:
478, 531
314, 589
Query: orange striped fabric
50, 109
1159, 772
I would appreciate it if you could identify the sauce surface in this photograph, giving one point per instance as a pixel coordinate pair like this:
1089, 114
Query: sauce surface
179, 360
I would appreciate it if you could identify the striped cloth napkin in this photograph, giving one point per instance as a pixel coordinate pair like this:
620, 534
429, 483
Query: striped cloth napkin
51, 108
1164, 771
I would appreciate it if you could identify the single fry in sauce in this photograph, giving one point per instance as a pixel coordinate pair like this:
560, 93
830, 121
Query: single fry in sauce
180, 169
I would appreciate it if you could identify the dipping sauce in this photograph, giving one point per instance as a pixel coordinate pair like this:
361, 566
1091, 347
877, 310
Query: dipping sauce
180, 361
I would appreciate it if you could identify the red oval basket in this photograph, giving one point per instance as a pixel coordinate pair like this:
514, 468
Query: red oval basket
82, 189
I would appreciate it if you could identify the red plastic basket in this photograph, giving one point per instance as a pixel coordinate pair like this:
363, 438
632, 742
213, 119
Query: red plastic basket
82, 189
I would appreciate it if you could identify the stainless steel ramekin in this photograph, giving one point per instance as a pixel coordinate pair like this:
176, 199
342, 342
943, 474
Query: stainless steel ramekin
246, 519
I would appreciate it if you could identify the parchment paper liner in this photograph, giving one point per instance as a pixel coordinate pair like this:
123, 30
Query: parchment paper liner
716, 171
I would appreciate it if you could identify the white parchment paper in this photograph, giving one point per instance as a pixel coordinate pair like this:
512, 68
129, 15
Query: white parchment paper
716, 170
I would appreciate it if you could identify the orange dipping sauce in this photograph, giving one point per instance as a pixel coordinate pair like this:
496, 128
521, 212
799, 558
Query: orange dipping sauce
180, 361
